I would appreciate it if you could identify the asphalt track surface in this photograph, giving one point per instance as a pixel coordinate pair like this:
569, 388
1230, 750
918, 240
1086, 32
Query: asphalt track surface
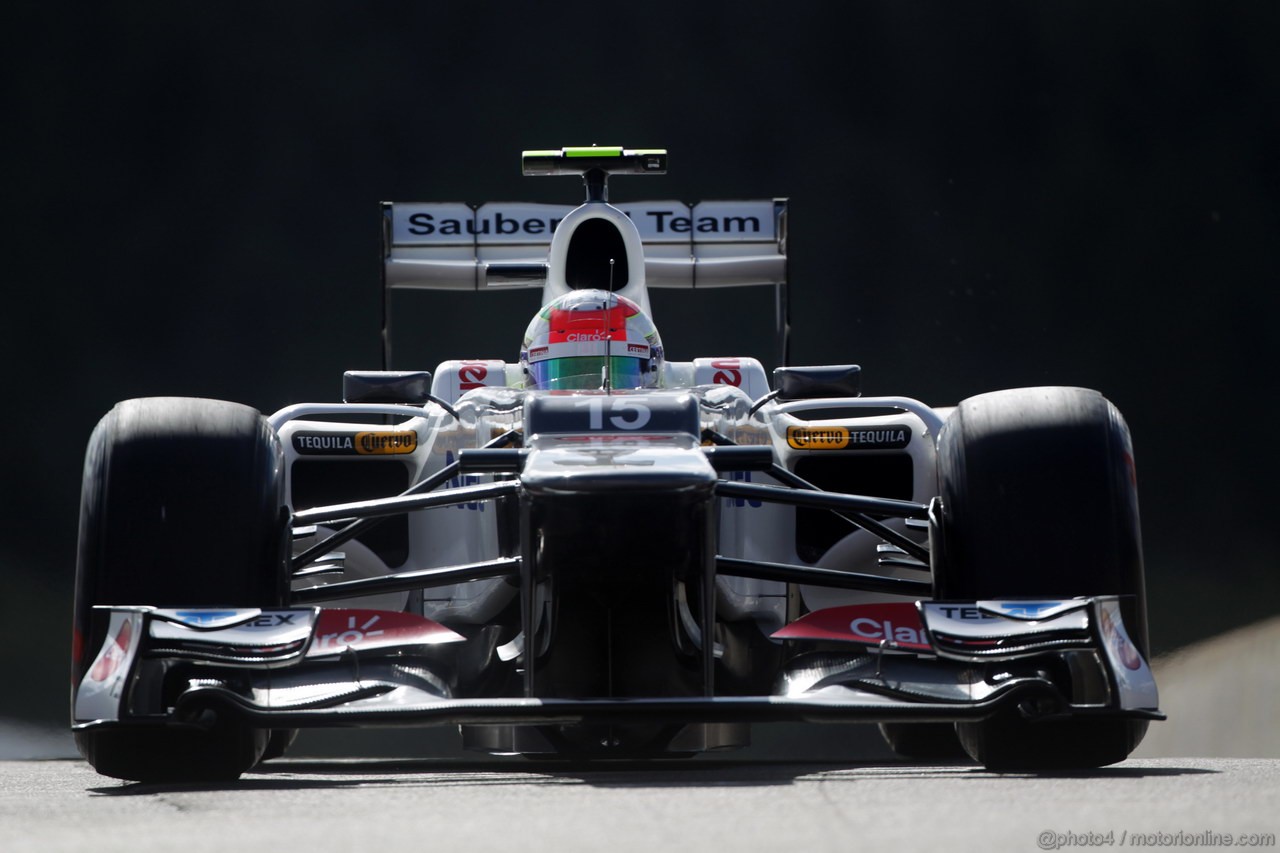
378, 804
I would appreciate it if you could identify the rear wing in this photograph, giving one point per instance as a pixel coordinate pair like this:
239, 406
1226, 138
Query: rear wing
456, 246
500, 245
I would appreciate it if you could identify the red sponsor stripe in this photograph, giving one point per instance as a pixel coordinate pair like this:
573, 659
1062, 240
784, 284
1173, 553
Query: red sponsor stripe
113, 654
338, 629
870, 624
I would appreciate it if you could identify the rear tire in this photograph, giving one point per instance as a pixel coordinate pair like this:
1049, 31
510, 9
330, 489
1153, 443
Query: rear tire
924, 741
182, 506
1039, 499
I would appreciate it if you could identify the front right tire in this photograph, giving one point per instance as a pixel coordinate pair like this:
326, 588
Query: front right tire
182, 506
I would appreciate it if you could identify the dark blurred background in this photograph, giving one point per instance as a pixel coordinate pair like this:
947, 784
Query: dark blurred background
983, 195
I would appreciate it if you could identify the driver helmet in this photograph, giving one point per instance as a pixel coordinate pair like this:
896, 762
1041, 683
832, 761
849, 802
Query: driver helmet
574, 337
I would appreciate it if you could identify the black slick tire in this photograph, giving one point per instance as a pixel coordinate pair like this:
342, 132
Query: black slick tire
182, 506
1039, 499
924, 741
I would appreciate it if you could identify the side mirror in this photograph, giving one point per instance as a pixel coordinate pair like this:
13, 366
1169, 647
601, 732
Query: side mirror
386, 386
809, 383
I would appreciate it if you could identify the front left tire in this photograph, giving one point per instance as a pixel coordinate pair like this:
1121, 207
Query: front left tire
1039, 499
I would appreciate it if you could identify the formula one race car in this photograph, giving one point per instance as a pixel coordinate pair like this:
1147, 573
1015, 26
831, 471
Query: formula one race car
595, 552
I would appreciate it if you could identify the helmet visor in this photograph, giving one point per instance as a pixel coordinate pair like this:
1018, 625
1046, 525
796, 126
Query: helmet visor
587, 372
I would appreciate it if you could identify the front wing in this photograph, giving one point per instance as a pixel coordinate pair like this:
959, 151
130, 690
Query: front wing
317, 667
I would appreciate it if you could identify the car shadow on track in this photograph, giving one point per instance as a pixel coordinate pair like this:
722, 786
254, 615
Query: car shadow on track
337, 773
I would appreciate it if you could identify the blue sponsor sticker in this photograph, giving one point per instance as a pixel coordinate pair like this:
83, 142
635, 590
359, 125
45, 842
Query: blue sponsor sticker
208, 617
1027, 609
